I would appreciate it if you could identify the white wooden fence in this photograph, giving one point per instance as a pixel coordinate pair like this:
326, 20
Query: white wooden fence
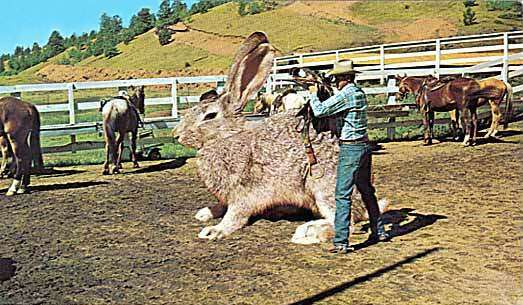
379, 61
506, 64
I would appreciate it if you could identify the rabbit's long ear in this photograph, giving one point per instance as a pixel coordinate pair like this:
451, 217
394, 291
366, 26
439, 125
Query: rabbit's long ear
250, 69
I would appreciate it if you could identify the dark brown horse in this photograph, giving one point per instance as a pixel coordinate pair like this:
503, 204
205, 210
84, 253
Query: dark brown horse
461, 94
20, 133
121, 114
412, 85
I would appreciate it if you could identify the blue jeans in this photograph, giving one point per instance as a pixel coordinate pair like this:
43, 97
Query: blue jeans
354, 168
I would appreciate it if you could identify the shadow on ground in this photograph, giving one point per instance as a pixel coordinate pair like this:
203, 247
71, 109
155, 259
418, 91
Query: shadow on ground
172, 164
63, 186
7, 269
396, 217
362, 279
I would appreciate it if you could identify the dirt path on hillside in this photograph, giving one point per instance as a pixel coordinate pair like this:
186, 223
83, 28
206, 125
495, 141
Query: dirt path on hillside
82, 238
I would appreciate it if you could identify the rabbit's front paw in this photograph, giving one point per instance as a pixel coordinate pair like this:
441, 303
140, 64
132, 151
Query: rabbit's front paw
204, 215
214, 232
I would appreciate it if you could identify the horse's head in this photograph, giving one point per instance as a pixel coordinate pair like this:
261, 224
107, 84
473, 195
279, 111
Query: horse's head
404, 85
138, 99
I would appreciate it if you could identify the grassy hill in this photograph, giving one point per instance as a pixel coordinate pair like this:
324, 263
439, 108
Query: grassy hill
301, 26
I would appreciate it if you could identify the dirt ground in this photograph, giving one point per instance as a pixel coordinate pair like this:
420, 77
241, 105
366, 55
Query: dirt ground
83, 238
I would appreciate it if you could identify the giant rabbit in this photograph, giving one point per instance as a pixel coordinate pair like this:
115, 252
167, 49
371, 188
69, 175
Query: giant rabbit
257, 168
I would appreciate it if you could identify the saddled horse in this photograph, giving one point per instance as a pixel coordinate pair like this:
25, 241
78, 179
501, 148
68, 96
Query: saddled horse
121, 115
462, 94
20, 133
413, 84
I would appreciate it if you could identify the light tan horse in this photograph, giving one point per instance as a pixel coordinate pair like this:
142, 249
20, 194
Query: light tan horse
500, 90
20, 132
121, 114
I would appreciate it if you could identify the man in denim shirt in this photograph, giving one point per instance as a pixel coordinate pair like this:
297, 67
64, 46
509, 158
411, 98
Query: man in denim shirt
349, 107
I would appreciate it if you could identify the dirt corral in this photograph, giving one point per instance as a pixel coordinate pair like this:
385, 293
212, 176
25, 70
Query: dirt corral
83, 238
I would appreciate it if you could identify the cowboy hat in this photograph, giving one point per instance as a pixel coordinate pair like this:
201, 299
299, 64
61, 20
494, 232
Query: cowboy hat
344, 66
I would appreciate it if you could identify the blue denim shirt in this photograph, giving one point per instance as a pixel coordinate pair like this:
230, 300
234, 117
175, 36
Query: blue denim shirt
349, 106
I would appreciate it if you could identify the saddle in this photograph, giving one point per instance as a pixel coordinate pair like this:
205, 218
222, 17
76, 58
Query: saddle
439, 83
103, 102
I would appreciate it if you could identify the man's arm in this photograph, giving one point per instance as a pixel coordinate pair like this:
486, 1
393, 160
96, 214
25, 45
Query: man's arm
339, 102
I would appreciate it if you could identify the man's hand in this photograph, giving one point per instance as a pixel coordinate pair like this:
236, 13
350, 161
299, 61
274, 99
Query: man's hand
313, 89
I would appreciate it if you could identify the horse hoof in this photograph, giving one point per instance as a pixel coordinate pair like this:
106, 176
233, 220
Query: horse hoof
105, 172
10, 193
136, 165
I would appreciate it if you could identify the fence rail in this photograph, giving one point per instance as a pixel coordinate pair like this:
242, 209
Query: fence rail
376, 62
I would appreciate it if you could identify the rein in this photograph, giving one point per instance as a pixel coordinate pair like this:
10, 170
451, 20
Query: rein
307, 115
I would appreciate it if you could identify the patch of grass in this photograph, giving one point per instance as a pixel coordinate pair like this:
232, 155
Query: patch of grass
146, 53
97, 156
287, 30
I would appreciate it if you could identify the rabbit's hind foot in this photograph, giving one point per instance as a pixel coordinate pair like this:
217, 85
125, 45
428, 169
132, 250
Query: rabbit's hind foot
204, 214
313, 232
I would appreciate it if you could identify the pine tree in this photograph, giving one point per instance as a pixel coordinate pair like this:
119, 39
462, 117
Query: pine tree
164, 35
164, 14
179, 11
55, 43
2, 66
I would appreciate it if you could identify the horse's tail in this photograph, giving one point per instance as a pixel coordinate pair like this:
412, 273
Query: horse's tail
34, 142
508, 105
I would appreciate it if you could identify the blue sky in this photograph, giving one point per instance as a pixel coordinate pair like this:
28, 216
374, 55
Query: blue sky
26, 21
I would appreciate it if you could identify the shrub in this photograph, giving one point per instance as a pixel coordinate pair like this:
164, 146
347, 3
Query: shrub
469, 17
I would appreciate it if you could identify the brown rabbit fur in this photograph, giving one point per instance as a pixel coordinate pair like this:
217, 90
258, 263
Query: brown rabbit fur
254, 167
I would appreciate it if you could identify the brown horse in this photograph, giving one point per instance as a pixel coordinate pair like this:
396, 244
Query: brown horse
461, 94
121, 114
412, 84
498, 90
20, 122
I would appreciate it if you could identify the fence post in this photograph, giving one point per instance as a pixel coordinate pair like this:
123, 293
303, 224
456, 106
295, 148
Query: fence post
301, 59
382, 64
268, 85
174, 98
337, 55
504, 71
438, 57
72, 106
391, 100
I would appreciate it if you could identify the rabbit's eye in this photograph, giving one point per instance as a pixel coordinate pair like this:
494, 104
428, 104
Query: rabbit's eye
210, 116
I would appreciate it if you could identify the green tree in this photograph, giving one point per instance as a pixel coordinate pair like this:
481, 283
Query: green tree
255, 8
164, 14
75, 55
55, 43
179, 11
242, 7
164, 35
469, 17
2, 65
469, 3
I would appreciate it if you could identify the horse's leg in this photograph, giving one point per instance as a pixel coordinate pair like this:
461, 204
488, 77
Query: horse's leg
454, 125
464, 123
109, 150
431, 125
426, 136
474, 125
496, 117
119, 148
134, 137
4, 145
20, 150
